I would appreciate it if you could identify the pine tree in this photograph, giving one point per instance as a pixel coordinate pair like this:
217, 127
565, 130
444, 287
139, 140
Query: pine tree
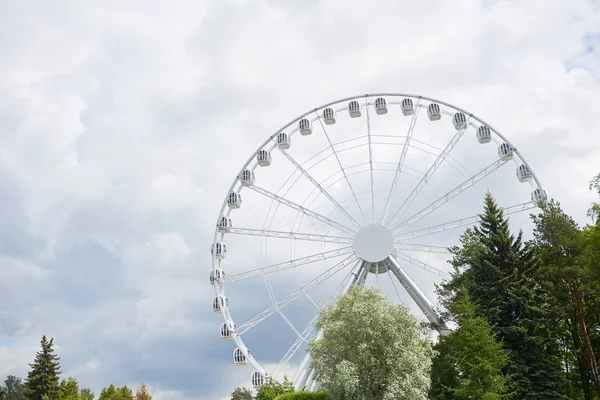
69, 389
497, 270
108, 393
86, 394
43, 378
143, 393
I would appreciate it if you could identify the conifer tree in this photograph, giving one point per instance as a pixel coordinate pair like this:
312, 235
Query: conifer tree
143, 393
497, 269
43, 378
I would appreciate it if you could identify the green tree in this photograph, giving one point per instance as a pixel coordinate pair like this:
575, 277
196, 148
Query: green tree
2, 393
241, 394
371, 349
108, 393
69, 389
43, 378
273, 388
14, 389
469, 361
567, 273
498, 271
123, 393
143, 393
86, 394
594, 211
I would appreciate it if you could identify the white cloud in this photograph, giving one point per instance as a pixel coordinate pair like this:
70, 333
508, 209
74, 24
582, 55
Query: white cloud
122, 125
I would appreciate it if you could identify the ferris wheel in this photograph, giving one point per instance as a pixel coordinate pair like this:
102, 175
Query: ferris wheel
366, 190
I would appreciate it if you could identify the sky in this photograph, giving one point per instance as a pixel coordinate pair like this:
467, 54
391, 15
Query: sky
122, 125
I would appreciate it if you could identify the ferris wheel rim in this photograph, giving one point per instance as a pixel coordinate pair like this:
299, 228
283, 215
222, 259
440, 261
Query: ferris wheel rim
219, 289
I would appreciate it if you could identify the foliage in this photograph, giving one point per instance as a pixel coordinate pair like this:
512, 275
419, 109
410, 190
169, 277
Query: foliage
86, 394
371, 349
13, 389
303, 396
242, 394
113, 393
273, 388
143, 393
43, 378
499, 270
469, 361
69, 389
594, 211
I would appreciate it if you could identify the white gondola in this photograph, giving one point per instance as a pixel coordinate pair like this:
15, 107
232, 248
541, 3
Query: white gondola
484, 135
217, 276
239, 357
283, 140
218, 305
329, 116
381, 106
539, 195
305, 127
224, 224
460, 121
227, 331
505, 151
234, 200
258, 379
434, 113
247, 177
524, 173
264, 158
354, 109
218, 250
408, 108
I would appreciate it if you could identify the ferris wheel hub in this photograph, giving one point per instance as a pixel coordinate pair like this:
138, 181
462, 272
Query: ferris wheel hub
374, 243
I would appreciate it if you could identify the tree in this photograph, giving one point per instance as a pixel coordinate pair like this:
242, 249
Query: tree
241, 394
86, 394
371, 349
469, 361
2, 393
108, 393
143, 393
498, 271
123, 393
594, 211
14, 389
43, 378
69, 389
273, 388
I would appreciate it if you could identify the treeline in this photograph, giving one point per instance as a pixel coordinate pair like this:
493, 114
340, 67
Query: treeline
43, 382
528, 313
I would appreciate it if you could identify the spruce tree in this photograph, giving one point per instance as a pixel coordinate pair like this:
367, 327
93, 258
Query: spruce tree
43, 378
497, 269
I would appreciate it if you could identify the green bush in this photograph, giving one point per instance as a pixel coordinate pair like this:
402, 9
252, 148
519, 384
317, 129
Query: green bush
302, 396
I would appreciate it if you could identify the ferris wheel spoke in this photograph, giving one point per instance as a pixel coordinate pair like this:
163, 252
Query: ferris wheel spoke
460, 222
424, 266
313, 258
436, 164
297, 294
318, 186
290, 235
304, 210
402, 246
450, 195
370, 158
405, 147
337, 157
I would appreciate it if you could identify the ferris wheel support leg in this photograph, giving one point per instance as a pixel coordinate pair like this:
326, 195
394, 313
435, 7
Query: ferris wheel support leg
306, 371
418, 297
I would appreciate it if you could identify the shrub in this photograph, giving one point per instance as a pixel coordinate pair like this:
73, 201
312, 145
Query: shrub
303, 396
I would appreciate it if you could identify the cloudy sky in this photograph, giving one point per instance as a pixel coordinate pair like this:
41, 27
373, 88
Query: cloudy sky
122, 125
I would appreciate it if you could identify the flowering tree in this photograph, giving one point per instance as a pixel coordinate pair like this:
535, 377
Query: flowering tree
371, 349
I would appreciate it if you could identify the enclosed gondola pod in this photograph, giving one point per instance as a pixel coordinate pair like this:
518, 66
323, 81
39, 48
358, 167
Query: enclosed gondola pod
224, 225
227, 330
218, 250
484, 135
538, 195
234, 200
434, 113
505, 151
239, 357
247, 177
217, 276
219, 303
263, 157
258, 380
408, 108
354, 109
381, 106
305, 127
524, 173
459, 120
283, 140
329, 116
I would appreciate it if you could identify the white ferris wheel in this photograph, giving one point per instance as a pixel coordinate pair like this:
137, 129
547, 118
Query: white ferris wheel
366, 190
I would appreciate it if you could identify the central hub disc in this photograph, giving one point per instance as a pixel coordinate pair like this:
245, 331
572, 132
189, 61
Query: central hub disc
374, 243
